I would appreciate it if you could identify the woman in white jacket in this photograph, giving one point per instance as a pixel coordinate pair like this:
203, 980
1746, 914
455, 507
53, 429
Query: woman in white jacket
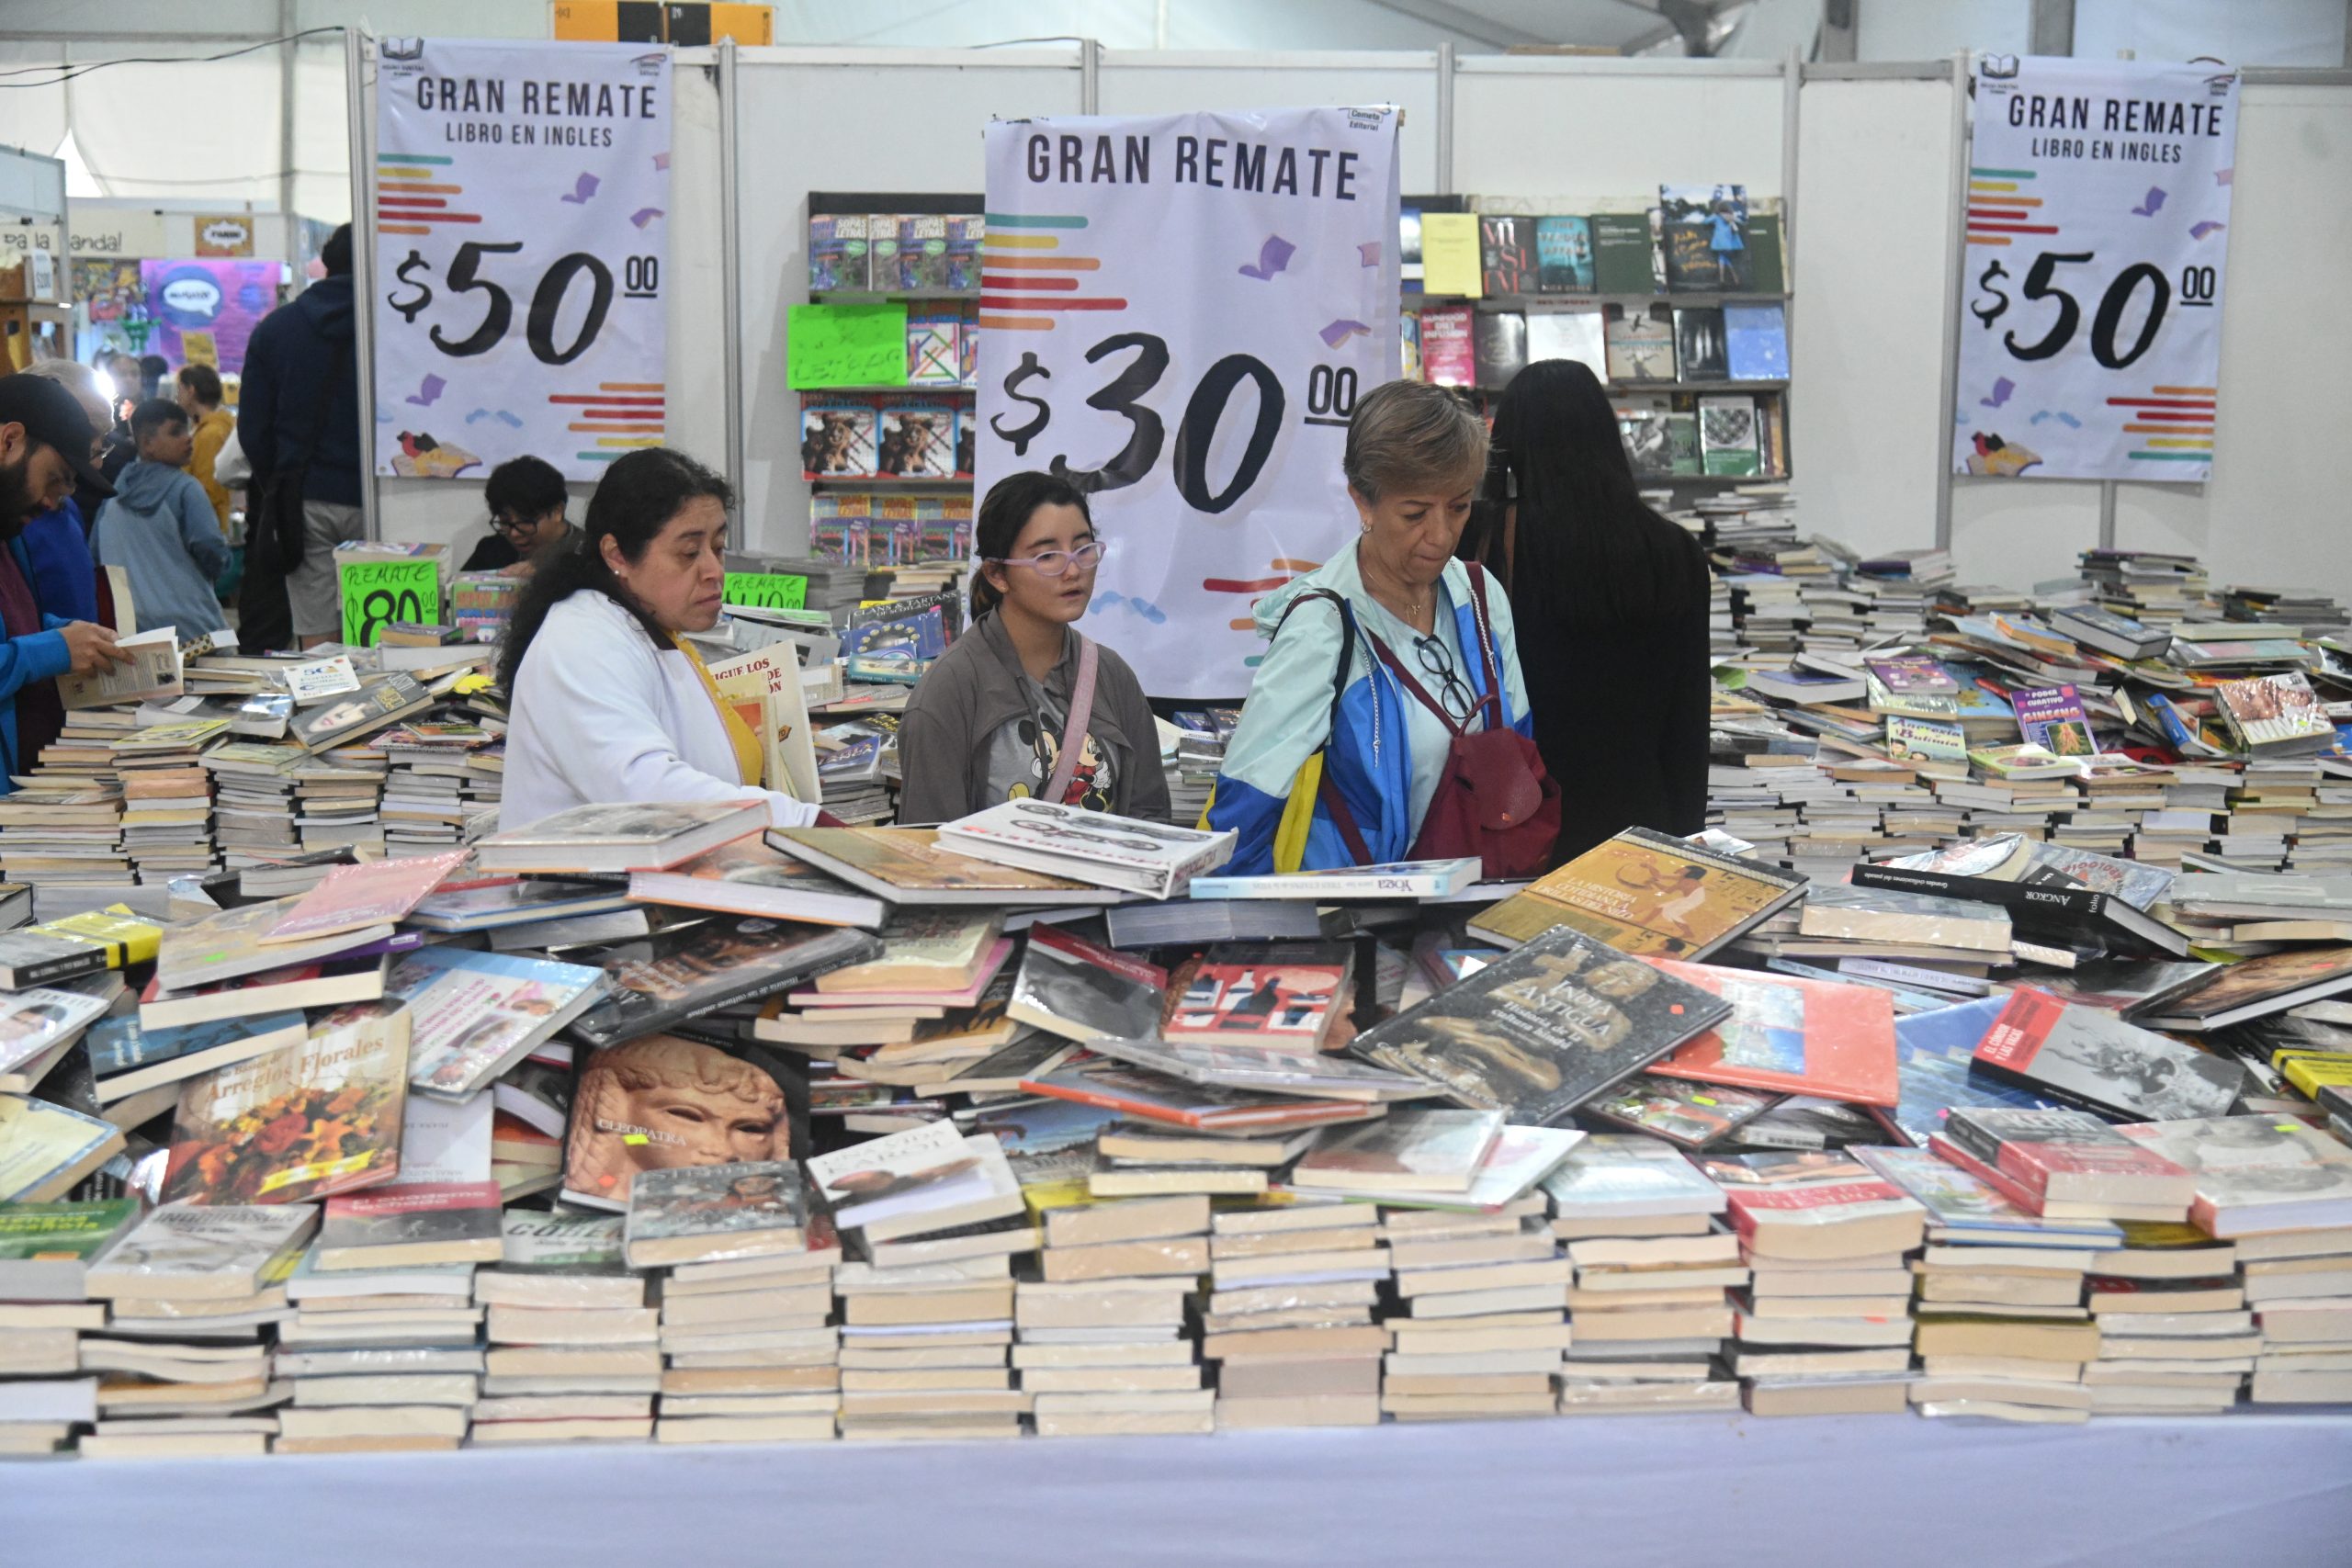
609, 703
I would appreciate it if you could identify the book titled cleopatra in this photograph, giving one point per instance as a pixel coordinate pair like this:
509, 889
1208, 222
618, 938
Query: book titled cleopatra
2094, 1058
1645, 893
312, 1118
1813, 1037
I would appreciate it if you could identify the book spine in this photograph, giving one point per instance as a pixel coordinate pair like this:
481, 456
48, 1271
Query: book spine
65, 966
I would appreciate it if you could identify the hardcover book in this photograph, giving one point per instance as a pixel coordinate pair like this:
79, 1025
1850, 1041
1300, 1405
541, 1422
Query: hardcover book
1703, 233
1624, 254
181, 1252
387, 700
1507, 256
234, 944
906, 865
1073, 988
1449, 356
1500, 338
1563, 255
1699, 351
698, 1213
1432, 1151
2097, 1059
1149, 1096
1729, 444
303, 1123
1640, 342
1810, 1037
1397, 879
1148, 858
673, 974
1645, 892
33, 1023
2275, 715
749, 877
2254, 988
45, 1149
1542, 1029
477, 1014
1756, 342
1279, 994
1689, 1115
661, 1101
2040, 1157
127, 1057
355, 897
46, 1247
620, 837
2255, 1173
2052, 718
1628, 1176
444, 1208
1935, 1051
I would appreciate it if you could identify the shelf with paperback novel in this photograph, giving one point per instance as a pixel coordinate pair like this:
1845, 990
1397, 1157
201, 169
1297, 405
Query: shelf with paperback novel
1679, 308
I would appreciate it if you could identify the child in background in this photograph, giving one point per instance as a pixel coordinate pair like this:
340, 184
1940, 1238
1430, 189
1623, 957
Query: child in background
161, 528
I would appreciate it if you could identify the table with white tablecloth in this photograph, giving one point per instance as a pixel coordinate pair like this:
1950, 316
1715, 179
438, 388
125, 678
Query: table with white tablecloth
2247, 1490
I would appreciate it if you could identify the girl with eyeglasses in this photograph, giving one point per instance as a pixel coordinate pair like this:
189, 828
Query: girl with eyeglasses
988, 720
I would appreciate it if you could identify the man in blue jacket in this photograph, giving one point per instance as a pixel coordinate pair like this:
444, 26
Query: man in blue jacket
46, 446
298, 413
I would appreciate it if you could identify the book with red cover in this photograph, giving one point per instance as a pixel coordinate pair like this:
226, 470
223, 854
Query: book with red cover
1449, 353
2062, 1163
2094, 1058
1840, 1218
1280, 995
1797, 1036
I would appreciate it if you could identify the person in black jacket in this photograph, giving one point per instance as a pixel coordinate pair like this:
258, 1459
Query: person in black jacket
1611, 602
299, 409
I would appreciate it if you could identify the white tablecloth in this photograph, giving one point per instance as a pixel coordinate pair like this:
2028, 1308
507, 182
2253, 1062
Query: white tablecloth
2241, 1491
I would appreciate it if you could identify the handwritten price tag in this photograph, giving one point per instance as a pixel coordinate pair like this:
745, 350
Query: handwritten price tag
846, 346
765, 590
375, 591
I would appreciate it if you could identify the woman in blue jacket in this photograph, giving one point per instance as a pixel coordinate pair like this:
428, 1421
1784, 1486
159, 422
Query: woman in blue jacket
1334, 762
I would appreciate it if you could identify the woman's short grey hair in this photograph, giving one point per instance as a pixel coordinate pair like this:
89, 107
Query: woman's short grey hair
1413, 436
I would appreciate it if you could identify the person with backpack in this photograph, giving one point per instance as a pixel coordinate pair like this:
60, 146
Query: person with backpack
1390, 719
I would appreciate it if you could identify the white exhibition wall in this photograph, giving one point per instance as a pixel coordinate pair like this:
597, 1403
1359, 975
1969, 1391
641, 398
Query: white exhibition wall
1870, 225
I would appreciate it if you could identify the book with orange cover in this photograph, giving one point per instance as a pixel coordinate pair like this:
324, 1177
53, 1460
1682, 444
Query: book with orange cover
1798, 1036
1645, 893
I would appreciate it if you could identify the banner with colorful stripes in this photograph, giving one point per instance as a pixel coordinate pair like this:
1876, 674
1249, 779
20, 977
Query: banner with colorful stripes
1177, 314
522, 194
2095, 245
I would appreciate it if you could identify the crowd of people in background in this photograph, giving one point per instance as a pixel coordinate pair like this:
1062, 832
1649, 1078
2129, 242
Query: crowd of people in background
1509, 616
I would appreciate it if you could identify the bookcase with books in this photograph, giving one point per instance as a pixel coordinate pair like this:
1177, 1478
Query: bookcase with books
1678, 302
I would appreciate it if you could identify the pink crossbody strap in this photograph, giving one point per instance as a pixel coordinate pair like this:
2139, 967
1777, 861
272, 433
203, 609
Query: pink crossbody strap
1081, 710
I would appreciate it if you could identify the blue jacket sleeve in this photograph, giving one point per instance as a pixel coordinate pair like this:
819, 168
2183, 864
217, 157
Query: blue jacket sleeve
23, 659
200, 530
1285, 720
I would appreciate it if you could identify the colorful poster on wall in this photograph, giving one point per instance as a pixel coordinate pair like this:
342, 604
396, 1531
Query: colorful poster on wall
522, 220
2097, 239
227, 298
223, 234
1178, 313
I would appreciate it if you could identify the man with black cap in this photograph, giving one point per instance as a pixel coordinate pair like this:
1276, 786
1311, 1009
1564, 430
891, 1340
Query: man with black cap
46, 445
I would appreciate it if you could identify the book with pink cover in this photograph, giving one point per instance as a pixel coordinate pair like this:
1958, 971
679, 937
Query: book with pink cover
353, 897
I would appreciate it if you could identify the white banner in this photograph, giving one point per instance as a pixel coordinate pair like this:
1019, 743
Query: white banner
1179, 312
2090, 308
521, 229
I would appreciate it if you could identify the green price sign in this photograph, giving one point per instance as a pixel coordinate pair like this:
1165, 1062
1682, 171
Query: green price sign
765, 590
845, 345
376, 592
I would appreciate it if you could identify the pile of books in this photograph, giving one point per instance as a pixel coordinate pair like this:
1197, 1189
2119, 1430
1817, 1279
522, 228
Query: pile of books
643, 1125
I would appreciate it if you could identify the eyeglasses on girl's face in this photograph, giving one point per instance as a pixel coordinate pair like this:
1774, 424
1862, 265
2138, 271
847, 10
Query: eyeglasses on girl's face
1057, 563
